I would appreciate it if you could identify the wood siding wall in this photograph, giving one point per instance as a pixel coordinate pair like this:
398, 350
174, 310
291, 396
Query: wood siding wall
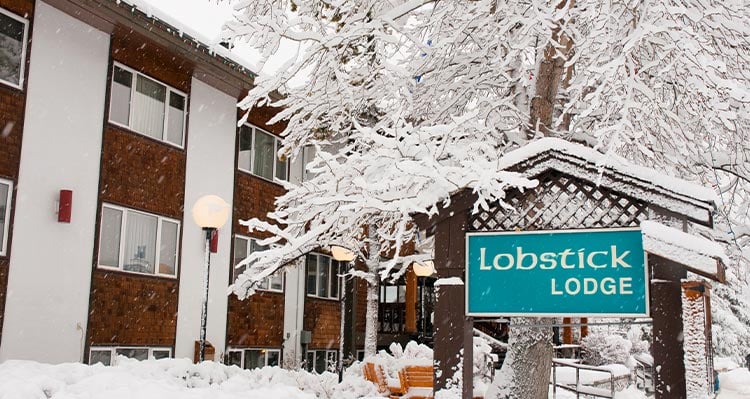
145, 174
259, 320
12, 108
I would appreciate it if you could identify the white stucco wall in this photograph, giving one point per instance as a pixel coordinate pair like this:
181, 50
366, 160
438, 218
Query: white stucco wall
50, 266
294, 295
209, 170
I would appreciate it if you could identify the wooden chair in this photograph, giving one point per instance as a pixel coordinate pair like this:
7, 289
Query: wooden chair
375, 374
416, 382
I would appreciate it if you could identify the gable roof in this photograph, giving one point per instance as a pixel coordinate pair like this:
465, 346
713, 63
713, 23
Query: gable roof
695, 202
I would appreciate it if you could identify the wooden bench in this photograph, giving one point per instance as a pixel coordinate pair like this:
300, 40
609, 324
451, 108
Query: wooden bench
375, 374
416, 382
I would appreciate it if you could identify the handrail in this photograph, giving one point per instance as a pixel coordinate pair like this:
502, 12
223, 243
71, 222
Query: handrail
579, 388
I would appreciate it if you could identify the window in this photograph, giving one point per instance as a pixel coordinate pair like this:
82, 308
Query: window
6, 188
392, 307
321, 361
137, 242
146, 106
307, 155
13, 32
253, 358
243, 247
108, 355
323, 276
257, 154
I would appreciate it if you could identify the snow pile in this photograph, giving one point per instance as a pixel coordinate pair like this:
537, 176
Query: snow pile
599, 349
734, 384
170, 378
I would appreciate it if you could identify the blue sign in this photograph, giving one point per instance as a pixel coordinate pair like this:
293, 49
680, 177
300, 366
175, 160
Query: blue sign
557, 273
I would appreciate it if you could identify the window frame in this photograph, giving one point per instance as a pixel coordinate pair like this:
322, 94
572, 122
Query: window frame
241, 351
6, 220
277, 143
165, 124
123, 226
317, 274
328, 353
266, 284
113, 352
24, 49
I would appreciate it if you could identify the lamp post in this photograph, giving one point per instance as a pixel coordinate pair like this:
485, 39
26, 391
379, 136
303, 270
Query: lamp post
210, 212
423, 270
342, 254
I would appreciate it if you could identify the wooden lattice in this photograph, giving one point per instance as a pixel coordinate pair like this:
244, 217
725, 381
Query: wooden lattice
562, 202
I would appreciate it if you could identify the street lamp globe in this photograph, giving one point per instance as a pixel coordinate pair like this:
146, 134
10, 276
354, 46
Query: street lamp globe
342, 254
423, 269
210, 212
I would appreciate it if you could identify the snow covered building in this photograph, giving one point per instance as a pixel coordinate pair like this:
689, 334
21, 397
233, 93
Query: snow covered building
113, 123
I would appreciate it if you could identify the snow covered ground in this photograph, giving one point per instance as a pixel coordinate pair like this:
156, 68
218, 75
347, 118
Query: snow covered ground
179, 378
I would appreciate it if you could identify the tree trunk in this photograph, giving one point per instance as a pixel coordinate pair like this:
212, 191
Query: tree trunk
549, 78
371, 316
530, 357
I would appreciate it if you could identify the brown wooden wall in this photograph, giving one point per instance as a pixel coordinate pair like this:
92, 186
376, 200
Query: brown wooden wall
142, 173
132, 309
257, 321
145, 174
144, 56
12, 107
323, 318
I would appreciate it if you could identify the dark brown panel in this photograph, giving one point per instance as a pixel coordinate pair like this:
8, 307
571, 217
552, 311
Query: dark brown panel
130, 309
12, 103
142, 173
12, 110
261, 115
24, 8
323, 318
155, 61
666, 309
256, 321
254, 197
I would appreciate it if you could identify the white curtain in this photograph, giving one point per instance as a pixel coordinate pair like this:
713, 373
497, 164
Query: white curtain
264, 155
109, 240
140, 243
148, 103
168, 250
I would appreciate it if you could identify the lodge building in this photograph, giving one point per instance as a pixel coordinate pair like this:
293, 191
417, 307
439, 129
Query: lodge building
112, 124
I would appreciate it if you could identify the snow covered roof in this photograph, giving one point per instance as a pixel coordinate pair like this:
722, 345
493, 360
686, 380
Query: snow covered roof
652, 186
699, 255
202, 27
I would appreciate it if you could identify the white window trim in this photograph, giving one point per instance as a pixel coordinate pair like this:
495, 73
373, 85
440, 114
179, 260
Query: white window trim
328, 353
113, 351
22, 73
277, 143
121, 254
267, 280
317, 272
242, 354
169, 88
6, 227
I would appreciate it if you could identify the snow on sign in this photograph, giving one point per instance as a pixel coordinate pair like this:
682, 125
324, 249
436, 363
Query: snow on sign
597, 272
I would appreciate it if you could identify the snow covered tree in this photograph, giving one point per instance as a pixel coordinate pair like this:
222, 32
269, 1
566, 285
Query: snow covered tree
408, 101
